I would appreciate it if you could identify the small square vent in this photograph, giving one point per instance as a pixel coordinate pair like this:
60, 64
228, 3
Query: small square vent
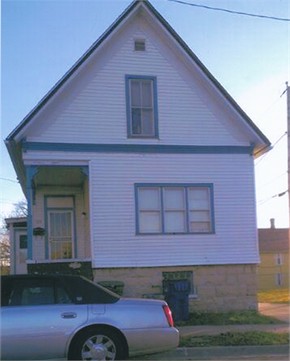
139, 45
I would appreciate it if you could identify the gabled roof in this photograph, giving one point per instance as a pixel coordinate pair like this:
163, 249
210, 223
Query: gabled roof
131, 8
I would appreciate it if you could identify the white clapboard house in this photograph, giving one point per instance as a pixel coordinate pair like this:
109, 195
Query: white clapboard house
138, 168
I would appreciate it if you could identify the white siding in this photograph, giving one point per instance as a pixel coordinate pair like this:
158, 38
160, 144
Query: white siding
115, 243
91, 108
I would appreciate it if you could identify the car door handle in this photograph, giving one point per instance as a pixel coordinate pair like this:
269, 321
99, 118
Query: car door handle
69, 315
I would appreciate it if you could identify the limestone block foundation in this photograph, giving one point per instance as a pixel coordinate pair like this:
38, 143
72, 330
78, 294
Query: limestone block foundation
214, 288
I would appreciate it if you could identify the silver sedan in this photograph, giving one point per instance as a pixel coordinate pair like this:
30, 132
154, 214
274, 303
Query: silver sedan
46, 317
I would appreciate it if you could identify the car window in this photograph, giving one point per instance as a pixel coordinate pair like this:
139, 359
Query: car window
84, 291
28, 292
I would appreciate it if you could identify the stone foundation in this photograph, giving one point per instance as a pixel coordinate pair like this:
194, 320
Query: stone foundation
213, 288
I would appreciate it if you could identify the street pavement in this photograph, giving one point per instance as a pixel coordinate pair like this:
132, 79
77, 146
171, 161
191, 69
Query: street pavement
249, 353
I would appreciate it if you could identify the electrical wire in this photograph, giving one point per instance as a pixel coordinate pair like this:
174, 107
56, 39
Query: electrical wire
9, 180
231, 11
273, 180
263, 201
274, 145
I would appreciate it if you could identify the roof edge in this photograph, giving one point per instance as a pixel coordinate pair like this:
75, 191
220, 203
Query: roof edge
181, 42
71, 70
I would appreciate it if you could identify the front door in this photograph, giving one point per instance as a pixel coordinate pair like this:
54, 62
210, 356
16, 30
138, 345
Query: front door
20, 251
60, 234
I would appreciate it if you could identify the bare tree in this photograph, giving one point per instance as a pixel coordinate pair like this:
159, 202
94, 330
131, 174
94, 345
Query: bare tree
20, 209
4, 251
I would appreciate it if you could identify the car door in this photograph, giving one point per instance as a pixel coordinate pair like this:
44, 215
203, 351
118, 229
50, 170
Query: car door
38, 318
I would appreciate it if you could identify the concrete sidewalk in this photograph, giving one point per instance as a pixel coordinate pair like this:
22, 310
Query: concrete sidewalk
216, 330
257, 353
219, 353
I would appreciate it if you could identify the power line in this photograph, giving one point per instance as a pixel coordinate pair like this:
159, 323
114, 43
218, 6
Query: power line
277, 141
263, 201
273, 180
231, 11
9, 180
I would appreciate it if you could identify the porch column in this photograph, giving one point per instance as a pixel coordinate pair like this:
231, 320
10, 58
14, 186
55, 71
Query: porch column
31, 170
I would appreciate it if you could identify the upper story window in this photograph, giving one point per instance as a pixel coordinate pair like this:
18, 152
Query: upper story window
174, 209
141, 94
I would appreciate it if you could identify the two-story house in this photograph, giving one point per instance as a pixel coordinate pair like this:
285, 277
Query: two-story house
273, 271
138, 167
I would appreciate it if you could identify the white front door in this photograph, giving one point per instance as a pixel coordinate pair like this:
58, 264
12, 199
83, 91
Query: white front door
60, 234
20, 251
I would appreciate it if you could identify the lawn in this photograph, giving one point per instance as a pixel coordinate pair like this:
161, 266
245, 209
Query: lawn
227, 318
274, 296
238, 318
252, 338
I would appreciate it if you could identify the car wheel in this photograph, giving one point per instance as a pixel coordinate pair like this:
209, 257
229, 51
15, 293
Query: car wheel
98, 344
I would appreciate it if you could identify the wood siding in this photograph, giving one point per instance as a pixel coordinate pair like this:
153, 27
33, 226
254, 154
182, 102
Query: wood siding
91, 107
115, 243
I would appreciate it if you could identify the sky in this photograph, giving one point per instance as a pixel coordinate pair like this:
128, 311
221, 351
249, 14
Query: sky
248, 55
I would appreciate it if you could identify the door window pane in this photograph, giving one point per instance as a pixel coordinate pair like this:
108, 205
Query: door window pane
60, 234
23, 241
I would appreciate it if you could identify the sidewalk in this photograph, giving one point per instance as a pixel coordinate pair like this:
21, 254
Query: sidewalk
257, 353
219, 353
215, 330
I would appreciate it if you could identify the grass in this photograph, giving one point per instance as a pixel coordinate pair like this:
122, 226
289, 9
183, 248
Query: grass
227, 318
252, 338
274, 296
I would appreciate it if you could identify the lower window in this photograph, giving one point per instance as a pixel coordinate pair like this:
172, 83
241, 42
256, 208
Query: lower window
174, 209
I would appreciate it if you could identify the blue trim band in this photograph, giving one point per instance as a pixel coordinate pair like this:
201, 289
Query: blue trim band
138, 148
30, 173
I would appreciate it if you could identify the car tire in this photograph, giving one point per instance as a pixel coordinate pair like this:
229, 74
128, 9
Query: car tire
98, 344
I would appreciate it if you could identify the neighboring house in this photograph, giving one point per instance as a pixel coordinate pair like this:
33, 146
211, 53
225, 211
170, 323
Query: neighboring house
273, 271
138, 167
17, 228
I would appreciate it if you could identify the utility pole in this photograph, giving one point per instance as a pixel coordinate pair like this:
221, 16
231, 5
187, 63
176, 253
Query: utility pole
288, 138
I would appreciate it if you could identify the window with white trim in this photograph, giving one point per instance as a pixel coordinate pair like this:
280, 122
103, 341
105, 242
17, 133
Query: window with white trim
141, 106
174, 209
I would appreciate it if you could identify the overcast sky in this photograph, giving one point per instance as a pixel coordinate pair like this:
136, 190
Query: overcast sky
247, 54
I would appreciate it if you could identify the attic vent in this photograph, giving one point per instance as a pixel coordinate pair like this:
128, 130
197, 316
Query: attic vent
139, 45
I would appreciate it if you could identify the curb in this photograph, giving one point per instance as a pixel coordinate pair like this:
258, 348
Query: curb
222, 353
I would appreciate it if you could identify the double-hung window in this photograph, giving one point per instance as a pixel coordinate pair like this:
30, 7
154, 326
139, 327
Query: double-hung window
141, 95
174, 209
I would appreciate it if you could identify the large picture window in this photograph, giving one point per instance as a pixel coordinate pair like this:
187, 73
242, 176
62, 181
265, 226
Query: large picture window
141, 106
174, 209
